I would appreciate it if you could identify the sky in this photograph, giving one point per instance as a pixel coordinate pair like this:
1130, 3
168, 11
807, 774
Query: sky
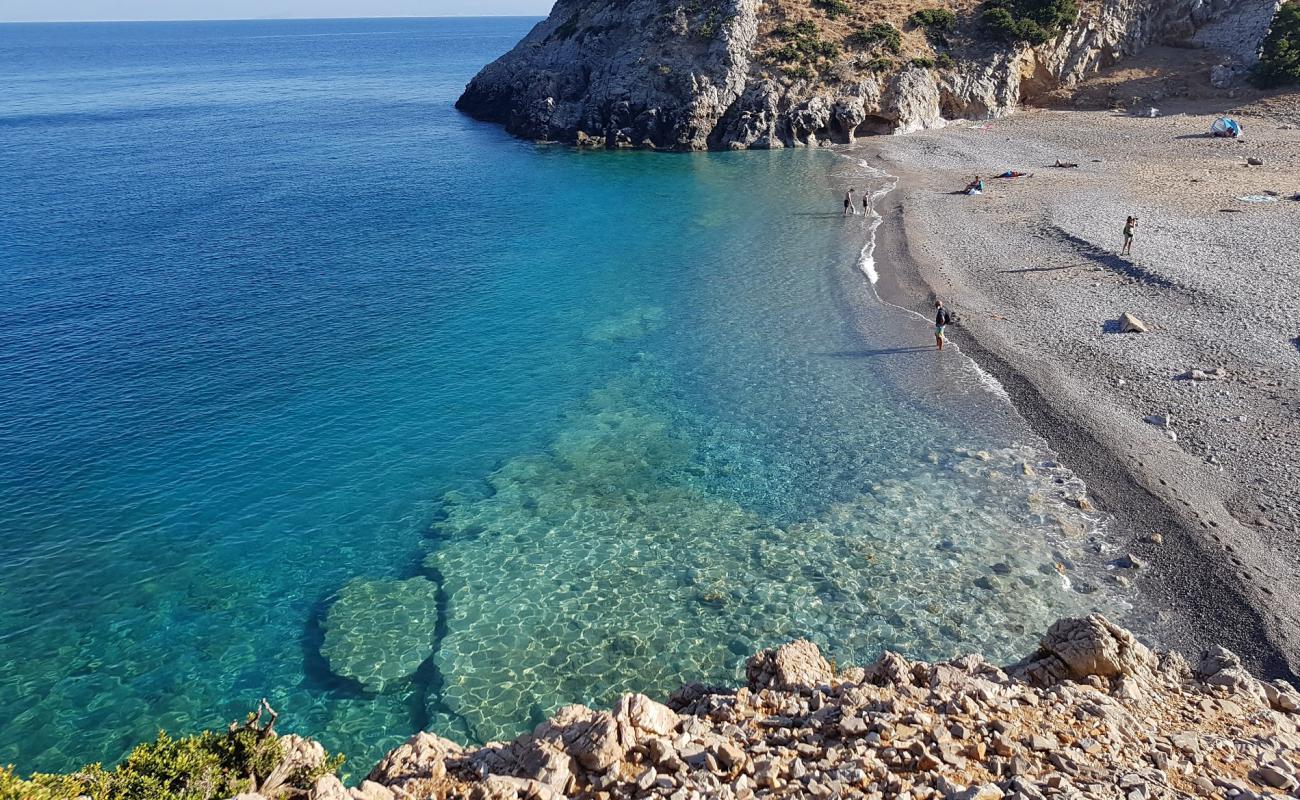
77, 10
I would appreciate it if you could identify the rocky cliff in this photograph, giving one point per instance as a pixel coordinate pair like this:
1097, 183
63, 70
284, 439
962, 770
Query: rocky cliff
1092, 713
737, 74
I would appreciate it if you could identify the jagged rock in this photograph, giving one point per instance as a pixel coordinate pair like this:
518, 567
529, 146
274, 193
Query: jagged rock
1092, 714
1131, 324
500, 787
1282, 696
378, 632
636, 74
987, 791
328, 787
590, 737
645, 715
796, 665
369, 790
1078, 647
418, 766
890, 669
1272, 776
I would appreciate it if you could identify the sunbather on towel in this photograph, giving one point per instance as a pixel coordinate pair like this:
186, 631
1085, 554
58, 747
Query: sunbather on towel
1011, 173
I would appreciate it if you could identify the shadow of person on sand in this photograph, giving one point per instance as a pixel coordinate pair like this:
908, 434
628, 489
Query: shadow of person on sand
1038, 269
1115, 262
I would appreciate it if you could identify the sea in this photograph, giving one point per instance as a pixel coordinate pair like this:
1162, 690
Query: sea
313, 389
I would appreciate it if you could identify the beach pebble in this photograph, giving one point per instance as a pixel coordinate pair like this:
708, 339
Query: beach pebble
1255, 162
1129, 561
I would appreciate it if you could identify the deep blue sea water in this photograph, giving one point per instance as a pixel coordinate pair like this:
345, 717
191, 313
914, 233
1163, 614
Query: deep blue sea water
274, 318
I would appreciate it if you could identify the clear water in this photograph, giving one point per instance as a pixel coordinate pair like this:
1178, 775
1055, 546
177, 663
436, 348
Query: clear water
274, 318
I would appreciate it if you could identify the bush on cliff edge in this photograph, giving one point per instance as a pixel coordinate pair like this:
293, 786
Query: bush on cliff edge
209, 766
1279, 63
1033, 21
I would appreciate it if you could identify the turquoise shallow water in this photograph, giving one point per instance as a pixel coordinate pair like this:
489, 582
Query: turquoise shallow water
275, 318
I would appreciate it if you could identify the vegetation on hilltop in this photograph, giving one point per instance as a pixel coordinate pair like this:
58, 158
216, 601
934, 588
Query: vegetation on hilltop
1031, 21
1279, 63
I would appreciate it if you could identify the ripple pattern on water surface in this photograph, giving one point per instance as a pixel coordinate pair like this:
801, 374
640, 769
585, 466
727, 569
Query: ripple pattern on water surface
607, 565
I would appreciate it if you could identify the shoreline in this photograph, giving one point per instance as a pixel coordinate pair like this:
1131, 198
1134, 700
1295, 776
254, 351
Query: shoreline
1195, 591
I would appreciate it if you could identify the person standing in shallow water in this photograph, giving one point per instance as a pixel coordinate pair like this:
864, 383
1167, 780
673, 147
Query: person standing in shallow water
1130, 228
942, 319
849, 210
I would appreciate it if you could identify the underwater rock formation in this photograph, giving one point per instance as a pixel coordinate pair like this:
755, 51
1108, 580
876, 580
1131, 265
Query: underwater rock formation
379, 632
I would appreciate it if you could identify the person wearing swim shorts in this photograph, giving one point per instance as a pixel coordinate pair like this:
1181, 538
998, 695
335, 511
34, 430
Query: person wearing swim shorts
942, 319
849, 210
1130, 228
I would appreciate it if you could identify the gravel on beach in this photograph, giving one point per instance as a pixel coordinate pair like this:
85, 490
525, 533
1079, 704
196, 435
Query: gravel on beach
1187, 433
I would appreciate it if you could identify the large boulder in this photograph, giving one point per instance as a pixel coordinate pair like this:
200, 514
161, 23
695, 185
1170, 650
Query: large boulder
379, 632
328, 787
796, 665
1131, 324
1075, 648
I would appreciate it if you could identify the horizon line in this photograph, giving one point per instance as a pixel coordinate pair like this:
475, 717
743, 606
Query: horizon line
267, 19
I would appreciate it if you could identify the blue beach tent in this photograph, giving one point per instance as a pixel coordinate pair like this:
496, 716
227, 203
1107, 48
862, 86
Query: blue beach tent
1225, 126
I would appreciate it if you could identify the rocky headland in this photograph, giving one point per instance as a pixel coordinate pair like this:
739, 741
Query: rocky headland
1092, 713
738, 74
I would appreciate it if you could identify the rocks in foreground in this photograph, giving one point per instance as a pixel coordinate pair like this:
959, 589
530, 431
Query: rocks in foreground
1093, 713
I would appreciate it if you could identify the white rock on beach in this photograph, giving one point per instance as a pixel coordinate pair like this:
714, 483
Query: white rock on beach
1128, 323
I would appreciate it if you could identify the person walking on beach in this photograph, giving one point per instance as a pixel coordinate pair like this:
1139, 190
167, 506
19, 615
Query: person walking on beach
1130, 228
849, 210
942, 319
866, 204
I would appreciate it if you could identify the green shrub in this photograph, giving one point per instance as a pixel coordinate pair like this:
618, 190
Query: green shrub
1031, 21
1279, 63
934, 20
803, 50
882, 34
209, 766
945, 61
834, 8
922, 61
787, 30
881, 64
713, 24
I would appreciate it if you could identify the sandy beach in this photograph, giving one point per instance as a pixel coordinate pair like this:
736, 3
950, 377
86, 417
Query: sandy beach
1032, 270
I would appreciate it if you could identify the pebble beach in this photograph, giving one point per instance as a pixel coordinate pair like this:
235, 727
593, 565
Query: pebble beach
1186, 432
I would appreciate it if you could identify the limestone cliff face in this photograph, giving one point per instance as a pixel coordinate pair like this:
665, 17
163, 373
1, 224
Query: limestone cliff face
629, 73
673, 75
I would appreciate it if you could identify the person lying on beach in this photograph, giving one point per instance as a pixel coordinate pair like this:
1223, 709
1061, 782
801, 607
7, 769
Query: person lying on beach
974, 187
1011, 173
849, 210
1065, 164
